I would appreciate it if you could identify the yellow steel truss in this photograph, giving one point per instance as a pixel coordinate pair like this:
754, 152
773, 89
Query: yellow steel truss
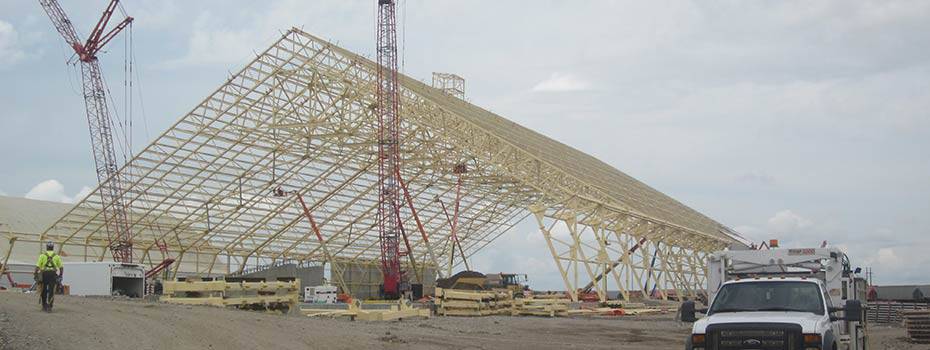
300, 117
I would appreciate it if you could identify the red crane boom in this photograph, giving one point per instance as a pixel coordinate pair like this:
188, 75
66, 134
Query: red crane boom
389, 224
99, 122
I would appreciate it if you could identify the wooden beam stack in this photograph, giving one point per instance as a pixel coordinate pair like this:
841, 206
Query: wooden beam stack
268, 295
455, 302
541, 307
397, 310
917, 324
890, 311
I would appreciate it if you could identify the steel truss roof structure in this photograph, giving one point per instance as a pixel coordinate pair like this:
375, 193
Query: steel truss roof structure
301, 117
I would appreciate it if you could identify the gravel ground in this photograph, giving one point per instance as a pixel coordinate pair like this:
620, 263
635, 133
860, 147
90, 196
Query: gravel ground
103, 323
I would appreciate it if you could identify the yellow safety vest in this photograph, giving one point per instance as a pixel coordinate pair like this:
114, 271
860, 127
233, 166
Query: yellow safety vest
49, 261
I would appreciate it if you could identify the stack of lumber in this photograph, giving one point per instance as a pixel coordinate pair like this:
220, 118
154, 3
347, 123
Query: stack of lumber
634, 308
356, 311
399, 311
456, 302
331, 311
643, 311
598, 311
890, 311
630, 305
541, 307
266, 295
917, 324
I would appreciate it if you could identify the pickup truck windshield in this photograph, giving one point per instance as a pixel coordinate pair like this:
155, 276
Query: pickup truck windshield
768, 296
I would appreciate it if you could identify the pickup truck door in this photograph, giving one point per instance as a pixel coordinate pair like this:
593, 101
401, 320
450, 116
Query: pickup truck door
838, 328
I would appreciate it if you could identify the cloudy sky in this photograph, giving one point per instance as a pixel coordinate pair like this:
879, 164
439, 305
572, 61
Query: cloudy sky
804, 121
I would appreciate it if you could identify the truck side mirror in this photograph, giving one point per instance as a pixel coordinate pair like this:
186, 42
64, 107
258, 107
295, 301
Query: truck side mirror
853, 311
688, 311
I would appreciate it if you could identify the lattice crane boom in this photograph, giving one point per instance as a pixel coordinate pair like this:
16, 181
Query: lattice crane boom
98, 120
389, 224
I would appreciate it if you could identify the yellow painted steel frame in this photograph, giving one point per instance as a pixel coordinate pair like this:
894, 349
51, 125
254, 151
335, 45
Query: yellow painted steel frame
633, 256
300, 117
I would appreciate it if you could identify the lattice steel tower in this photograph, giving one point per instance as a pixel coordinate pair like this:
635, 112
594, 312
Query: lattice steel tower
99, 122
388, 152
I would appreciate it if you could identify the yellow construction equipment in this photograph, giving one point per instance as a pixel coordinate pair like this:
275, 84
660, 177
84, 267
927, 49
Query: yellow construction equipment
514, 282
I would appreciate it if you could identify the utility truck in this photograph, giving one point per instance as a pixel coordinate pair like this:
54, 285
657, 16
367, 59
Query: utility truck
798, 299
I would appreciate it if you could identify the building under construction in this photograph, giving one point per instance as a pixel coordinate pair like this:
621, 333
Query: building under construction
280, 164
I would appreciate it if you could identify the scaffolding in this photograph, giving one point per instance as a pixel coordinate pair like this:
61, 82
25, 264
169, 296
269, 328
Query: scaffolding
449, 83
301, 118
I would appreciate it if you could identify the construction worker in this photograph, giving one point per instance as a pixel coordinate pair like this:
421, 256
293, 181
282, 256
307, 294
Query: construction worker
51, 269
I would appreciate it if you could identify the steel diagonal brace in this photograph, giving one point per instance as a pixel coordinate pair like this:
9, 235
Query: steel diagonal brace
409, 252
454, 237
590, 285
319, 236
6, 258
416, 218
578, 248
652, 265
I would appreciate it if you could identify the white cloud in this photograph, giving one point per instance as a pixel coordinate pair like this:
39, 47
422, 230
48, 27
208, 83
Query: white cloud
84, 192
219, 36
10, 52
212, 44
888, 258
535, 266
561, 82
751, 233
756, 178
786, 221
54, 191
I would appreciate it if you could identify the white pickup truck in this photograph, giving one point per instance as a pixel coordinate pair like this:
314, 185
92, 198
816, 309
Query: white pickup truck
803, 299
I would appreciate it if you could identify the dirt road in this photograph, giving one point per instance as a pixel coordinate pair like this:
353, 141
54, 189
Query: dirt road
92, 323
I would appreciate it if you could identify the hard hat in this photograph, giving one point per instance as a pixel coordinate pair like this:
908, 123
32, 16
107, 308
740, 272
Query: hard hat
49, 245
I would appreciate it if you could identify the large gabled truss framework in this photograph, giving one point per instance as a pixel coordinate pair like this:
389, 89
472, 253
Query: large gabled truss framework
300, 118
